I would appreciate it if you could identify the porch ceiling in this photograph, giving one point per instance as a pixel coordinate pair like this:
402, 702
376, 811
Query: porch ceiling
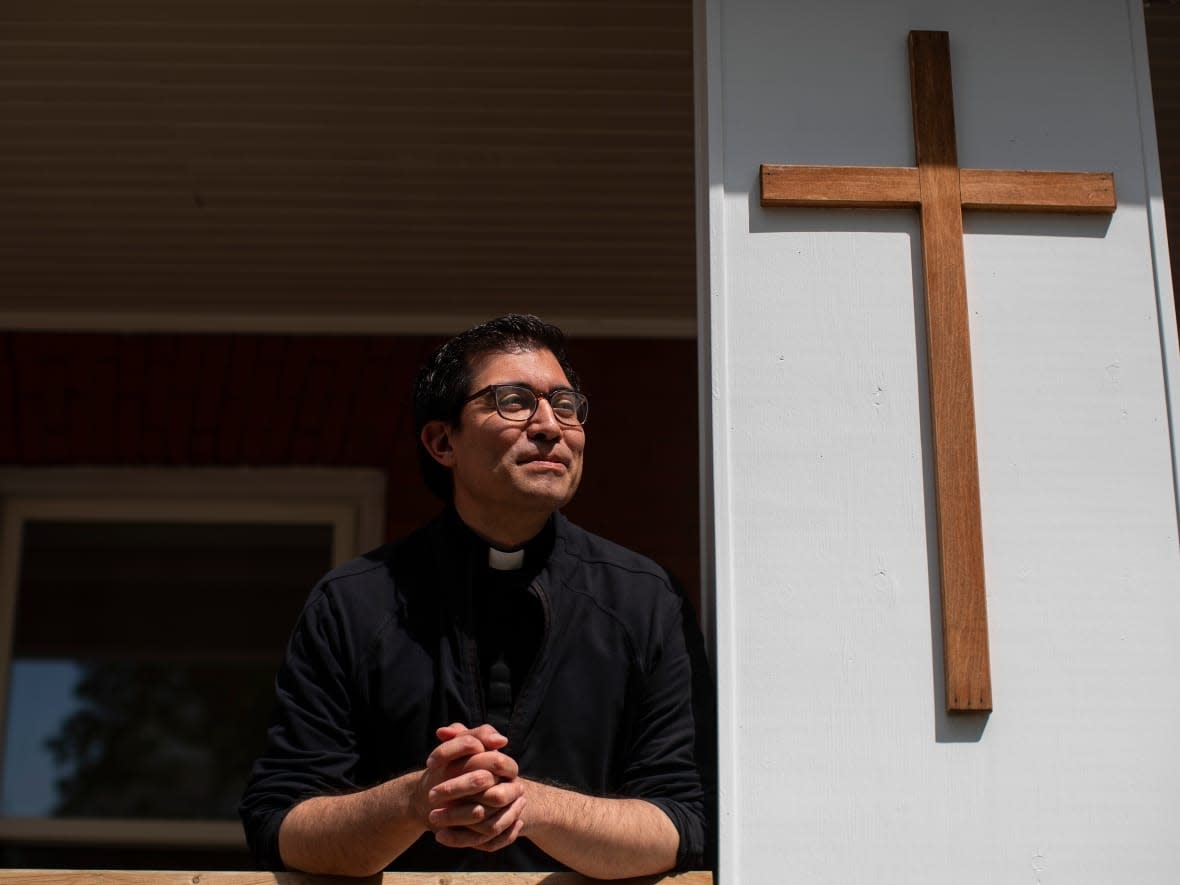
350, 165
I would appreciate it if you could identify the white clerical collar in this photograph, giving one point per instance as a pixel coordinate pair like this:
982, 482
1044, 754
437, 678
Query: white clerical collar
505, 560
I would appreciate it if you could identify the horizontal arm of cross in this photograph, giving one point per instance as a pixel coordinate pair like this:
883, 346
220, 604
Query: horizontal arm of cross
1005, 190
886, 187
841, 187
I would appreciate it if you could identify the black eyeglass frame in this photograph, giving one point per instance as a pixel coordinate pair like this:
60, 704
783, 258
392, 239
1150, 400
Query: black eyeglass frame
581, 400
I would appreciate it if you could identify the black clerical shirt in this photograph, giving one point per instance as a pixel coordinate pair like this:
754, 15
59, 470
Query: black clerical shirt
509, 626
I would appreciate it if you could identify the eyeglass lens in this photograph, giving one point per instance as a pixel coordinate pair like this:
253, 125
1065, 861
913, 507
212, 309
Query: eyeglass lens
520, 403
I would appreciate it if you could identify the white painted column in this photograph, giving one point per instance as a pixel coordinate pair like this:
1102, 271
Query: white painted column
838, 764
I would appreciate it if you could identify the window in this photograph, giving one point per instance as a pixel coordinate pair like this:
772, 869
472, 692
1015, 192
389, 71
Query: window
148, 613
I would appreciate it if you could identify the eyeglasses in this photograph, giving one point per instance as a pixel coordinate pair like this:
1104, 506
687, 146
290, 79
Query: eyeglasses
517, 403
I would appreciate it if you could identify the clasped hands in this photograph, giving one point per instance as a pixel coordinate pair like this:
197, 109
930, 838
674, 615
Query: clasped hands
473, 793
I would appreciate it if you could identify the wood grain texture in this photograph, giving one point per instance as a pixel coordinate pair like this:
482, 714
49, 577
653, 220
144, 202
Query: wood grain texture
157, 877
952, 403
840, 187
1024, 190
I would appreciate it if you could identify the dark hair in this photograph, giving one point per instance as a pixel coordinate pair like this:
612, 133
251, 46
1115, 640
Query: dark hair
444, 380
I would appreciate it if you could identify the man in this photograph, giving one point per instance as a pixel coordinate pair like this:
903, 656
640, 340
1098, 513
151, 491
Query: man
500, 690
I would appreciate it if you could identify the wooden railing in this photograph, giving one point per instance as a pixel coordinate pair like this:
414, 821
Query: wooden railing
176, 877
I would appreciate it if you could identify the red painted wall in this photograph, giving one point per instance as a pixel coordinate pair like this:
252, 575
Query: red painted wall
271, 400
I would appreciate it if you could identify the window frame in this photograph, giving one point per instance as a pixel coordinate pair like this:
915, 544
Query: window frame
351, 500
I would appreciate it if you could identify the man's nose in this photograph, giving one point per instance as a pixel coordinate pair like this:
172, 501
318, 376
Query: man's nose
544, 422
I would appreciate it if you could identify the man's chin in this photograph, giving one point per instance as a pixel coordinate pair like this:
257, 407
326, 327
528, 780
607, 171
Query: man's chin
552, 493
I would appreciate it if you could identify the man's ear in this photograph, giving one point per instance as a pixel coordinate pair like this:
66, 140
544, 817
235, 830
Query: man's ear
436, 439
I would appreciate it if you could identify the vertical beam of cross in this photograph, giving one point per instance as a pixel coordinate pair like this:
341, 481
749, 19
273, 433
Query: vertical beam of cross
941, 191
952, 400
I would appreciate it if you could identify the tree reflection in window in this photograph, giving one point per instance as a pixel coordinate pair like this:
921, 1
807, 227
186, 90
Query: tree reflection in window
160, 741
174, 632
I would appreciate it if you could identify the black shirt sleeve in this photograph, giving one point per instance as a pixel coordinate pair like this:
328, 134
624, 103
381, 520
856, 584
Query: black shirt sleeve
671, 759
311, 748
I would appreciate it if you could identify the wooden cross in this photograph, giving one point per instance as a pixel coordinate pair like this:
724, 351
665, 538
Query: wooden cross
941, 191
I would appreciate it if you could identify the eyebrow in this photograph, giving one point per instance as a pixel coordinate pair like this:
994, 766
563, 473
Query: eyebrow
528, 386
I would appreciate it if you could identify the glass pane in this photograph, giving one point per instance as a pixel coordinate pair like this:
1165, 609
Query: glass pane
40, 697
143, 666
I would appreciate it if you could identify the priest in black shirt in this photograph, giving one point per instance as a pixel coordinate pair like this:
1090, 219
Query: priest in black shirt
501, 689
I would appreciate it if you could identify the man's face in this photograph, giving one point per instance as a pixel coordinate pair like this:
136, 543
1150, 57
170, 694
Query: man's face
513, 466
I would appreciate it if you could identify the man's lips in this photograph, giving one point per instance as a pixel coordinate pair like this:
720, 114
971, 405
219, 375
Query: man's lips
551, 460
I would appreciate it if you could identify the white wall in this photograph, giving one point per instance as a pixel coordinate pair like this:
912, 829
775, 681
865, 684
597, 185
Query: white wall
839, 764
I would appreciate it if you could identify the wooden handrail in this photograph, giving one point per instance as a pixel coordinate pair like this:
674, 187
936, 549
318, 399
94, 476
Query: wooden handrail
177, 877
